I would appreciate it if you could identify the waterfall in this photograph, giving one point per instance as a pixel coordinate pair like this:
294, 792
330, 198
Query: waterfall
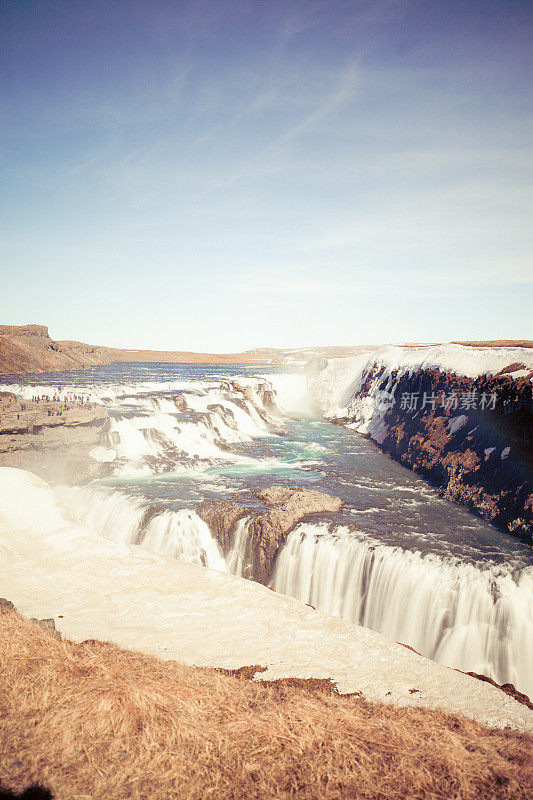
461, 615
123, 518
290, 392
183, 535
150, 434
236, 558
474, 617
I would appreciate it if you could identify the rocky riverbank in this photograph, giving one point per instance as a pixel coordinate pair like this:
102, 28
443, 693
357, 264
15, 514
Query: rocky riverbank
57, 441
470, 434
479, 457
264, 529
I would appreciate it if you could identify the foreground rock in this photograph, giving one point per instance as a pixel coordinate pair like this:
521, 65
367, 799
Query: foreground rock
267, 528
61, 447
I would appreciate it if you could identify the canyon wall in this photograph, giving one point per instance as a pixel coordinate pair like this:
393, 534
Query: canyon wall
29, 348
470, 434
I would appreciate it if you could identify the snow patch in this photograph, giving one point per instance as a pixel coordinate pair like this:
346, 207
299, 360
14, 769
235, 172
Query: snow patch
52, 566
337, 386
456, 423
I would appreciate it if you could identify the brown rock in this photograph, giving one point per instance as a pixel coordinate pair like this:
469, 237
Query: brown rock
49, 625
180, 403
465, 463
54, 447
221, 516
268, 529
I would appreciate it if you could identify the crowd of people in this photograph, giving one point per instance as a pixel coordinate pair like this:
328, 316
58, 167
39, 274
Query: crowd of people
67, 401
58, 405
63, 403
74, 399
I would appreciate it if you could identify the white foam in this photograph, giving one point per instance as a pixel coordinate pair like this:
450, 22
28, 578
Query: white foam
119, 517
478, 620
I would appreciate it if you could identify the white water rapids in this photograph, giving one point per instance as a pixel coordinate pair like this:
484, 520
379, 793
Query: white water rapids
458, 614
117, 516
468, 614
149, 433
474, 619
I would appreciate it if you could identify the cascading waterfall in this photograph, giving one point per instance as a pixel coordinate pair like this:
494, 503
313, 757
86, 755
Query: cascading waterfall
148, 432
122, 518
183, 535
474, 619
290, 393
236, 558
195, 433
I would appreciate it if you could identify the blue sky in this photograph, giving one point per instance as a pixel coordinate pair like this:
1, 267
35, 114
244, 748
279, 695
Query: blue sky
226, 175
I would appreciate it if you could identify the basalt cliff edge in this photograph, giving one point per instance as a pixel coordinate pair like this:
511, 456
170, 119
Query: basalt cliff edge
58, 441
470, 434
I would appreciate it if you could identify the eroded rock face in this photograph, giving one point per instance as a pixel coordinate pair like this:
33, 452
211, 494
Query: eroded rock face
222, 517
282, 508
268, 400
56, 447
481, 457
180, 403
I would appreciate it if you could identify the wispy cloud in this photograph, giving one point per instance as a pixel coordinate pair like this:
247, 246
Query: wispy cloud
324, 162
333, 98
411, 282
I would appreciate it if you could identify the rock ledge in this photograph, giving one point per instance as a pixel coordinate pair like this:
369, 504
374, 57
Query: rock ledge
283, 507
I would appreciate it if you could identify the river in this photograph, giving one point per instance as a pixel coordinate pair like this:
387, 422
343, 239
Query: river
398, 559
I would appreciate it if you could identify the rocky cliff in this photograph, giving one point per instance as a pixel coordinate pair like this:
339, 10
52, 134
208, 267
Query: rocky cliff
480, 457
58, 447
29, 348
265, 528
471, 435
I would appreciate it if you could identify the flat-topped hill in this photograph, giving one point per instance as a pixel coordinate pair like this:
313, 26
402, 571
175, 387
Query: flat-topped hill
29, 348
26, 349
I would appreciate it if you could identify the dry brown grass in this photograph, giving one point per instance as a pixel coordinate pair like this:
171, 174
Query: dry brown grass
91, 721
499, 343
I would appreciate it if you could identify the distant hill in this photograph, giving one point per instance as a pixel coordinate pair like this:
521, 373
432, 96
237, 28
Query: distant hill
499, 343
29, 348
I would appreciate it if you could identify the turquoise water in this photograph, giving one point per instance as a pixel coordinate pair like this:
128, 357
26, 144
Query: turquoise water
382, 498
